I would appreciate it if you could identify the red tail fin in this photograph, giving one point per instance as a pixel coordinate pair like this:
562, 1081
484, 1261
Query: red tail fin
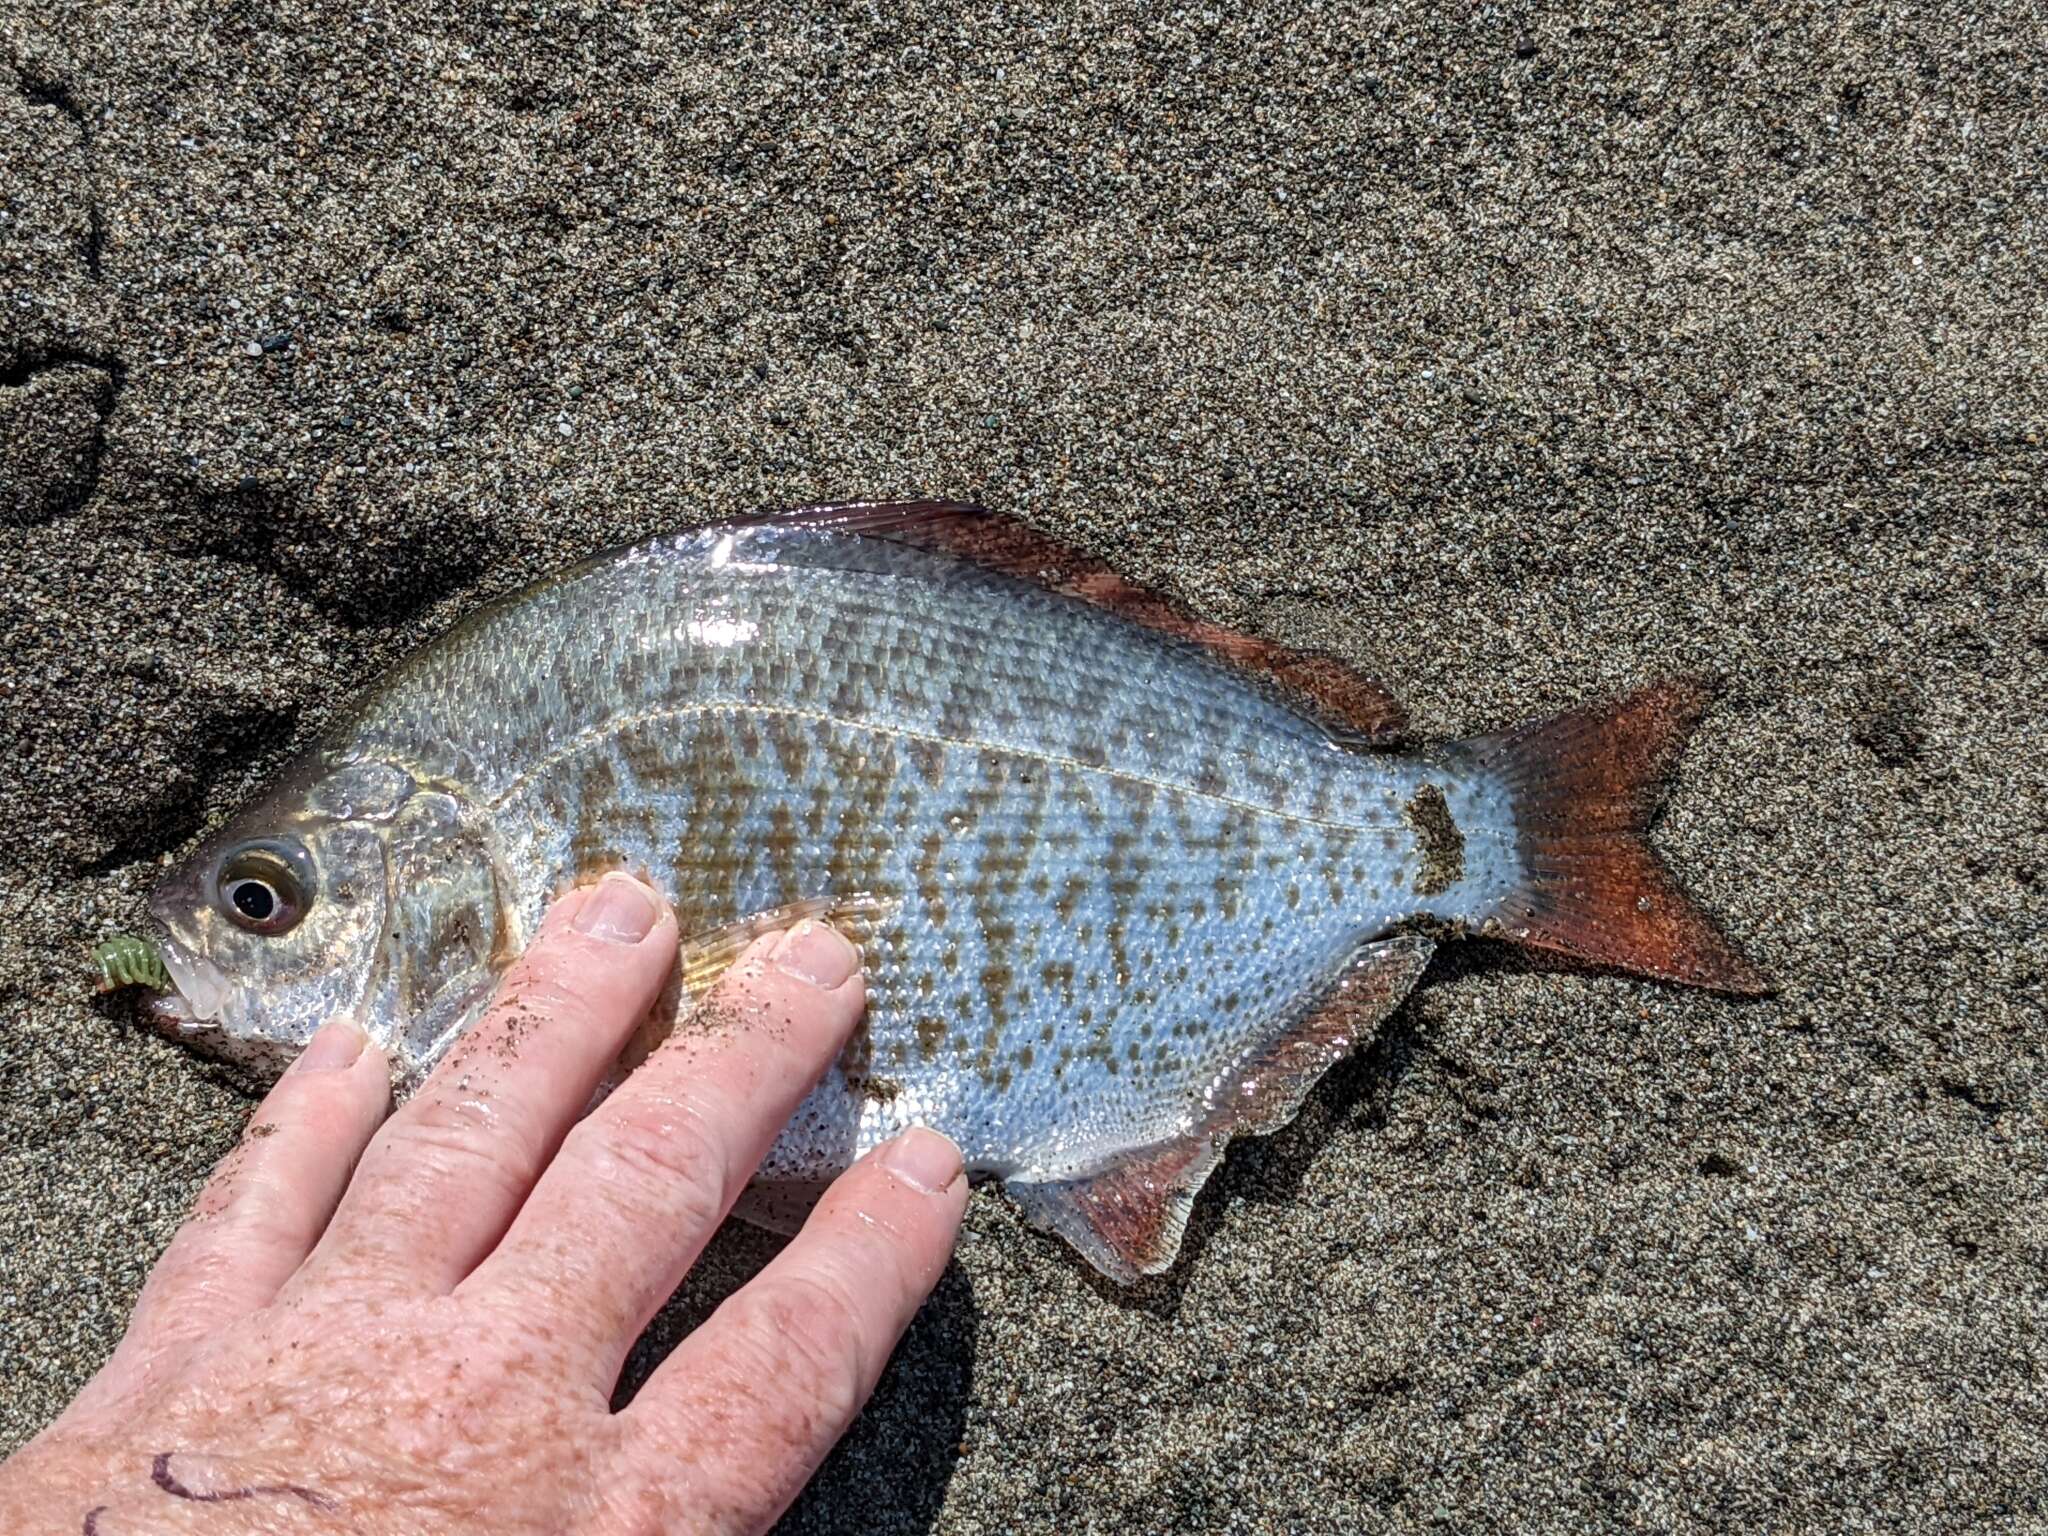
1585, 786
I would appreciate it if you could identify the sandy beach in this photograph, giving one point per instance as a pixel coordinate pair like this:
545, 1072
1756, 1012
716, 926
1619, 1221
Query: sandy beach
1517, 356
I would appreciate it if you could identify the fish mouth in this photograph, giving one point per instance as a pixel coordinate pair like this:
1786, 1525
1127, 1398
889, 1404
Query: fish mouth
202, 991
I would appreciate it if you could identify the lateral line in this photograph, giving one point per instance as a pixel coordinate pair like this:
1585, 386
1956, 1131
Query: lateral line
585, 740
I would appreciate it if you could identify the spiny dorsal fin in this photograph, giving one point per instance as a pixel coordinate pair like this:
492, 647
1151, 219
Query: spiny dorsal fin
1128, 1218
1349, 704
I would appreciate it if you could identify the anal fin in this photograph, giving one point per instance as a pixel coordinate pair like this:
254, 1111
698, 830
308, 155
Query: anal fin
1128, 1218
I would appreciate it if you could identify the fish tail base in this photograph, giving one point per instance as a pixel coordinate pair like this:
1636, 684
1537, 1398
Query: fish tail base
1585, 786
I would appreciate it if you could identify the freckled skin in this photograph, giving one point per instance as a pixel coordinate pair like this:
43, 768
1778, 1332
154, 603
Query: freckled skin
758, 716
414, 1325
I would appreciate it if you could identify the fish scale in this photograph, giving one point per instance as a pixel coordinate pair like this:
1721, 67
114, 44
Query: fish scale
1137, 888
666, 762
1166, 917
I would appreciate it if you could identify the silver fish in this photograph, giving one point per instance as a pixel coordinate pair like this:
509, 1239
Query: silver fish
1127, 883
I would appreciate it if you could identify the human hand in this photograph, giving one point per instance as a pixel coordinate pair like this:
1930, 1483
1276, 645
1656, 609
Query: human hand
432, 1345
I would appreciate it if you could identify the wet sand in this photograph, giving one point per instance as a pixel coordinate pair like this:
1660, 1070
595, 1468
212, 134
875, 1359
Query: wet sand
1516, 357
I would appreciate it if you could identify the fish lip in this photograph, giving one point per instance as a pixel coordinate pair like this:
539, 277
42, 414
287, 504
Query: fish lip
202, 990
170, 1008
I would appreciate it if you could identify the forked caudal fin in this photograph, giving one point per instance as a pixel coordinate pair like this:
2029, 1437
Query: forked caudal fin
1585, 785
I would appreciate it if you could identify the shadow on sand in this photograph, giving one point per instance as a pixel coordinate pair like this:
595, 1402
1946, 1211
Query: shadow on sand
889, 1475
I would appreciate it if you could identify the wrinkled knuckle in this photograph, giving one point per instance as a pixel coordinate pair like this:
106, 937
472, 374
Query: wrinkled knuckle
805, 1334
662, 1500
274, 1224
198, 1263
436, 1144
670, 1157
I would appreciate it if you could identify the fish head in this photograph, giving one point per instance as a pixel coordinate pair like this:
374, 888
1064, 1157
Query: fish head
350, 889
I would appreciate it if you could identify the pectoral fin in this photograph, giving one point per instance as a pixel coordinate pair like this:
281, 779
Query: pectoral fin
704, 957
1127, 1218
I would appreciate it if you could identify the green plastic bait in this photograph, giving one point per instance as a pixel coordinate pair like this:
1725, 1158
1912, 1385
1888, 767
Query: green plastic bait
130, 962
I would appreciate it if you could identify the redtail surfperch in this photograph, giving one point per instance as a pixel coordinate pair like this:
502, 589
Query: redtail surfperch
1126, 883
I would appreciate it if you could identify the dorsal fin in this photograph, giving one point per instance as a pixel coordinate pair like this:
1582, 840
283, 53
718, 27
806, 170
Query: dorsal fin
1127, 1219
1348, 703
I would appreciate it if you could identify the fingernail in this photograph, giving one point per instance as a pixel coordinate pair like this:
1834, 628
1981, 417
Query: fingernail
923, 1159
620, 910
335, 1047
813, 952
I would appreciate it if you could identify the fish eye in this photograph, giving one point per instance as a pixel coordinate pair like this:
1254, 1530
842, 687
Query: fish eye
264, 887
